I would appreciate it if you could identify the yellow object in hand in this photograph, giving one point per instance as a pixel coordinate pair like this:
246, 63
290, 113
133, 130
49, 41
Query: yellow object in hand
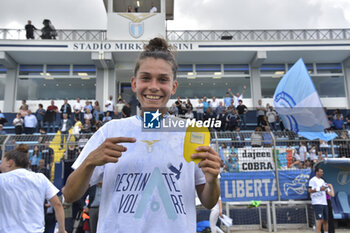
195, 137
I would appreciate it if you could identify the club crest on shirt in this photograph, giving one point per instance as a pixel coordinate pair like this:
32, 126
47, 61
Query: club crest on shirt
149, 144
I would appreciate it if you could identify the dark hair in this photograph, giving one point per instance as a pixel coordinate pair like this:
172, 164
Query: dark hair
158, 48
19, 157
317, 169
22, 148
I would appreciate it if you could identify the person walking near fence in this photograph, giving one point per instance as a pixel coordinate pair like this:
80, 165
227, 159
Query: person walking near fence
318, 189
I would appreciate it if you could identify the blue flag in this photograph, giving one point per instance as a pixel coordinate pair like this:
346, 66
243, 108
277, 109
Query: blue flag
300, 107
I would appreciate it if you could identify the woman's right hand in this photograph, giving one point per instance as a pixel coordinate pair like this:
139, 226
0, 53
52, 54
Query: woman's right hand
109, 151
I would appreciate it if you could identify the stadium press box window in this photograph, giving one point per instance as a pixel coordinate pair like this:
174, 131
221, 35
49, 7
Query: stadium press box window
55, 88
34, 70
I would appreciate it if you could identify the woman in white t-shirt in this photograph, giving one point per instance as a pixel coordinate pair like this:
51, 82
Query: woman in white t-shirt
147, 183
22, 195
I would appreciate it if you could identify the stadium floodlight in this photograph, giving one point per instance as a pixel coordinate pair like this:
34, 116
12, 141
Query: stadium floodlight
83, 74
217, 75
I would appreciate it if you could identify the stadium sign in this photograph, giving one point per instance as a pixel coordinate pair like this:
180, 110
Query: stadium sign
255, 159
122, 46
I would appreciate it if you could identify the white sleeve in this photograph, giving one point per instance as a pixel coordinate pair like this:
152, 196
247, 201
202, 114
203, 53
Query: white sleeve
199, 176
50, 189
312, 184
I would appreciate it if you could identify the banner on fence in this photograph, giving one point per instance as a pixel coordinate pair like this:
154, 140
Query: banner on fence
261, 185
255, 159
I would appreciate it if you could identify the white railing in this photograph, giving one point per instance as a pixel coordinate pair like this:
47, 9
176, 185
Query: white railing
203, 35
85, 35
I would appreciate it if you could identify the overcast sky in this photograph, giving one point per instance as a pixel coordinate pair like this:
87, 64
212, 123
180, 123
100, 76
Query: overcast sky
188, 14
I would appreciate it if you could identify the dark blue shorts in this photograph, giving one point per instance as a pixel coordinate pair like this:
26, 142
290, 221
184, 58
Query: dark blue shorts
321, 212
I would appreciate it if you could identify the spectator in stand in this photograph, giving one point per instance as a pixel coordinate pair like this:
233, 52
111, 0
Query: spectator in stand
256, 137
242, 113
302, 151
88, 106
189, 114
313, 154
267, 137
48, 155
324, 147
23, 109
42, 169
2, 131
338, 123
265, 123
87, 114
77, 126
98, 113
106, 118
2, 118
23, 194
48, 31
66, 108
271, 118
214, 104
110, 106
173, 110
34, 158
40, 114
73, 152
178, 103
50, 116
337, 112
30, 123
260, 112
82, 142
238, 139
65, 126
222, 118
238, 96
295, 161
78, 108
228, 100
30, 30
347, 121
87, 127
232, 119
119, 107
209, 114
189, 105
344, 145
18, 123
126, 110
153, 8
200, 110
220, 108
205, 104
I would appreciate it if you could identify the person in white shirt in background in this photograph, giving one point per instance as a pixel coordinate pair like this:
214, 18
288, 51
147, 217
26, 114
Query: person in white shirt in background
78, 107
238, 96
153, 8
30, 123
110, 106
200, 111
302, 151
317, 189
214, 104
23, 193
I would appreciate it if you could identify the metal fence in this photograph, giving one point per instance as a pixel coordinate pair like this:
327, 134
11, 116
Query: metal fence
202, 35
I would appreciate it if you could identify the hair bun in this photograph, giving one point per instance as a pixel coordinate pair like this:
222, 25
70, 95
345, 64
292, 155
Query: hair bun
157, 44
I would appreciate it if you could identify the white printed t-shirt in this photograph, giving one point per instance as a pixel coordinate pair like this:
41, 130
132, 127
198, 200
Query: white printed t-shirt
319, 197
22, 196
151, 188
